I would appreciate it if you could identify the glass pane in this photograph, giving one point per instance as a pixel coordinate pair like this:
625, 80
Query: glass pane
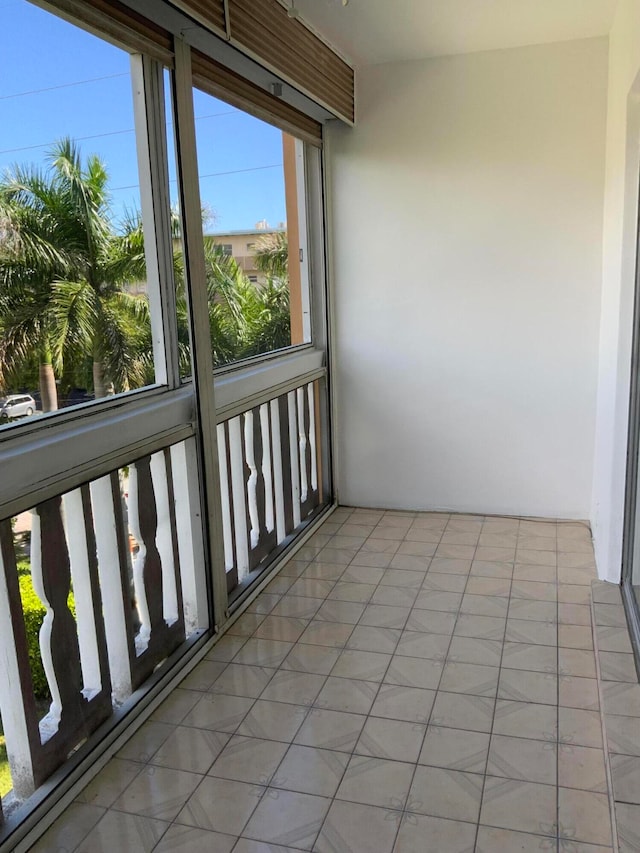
253, 208
74, 305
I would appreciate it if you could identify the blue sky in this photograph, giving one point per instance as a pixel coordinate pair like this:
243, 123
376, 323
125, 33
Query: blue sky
56, 80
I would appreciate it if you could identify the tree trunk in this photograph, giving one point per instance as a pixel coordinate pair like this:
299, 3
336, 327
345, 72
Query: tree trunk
99, 389
48, 390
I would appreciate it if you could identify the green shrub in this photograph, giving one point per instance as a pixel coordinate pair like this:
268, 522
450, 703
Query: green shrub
34, 612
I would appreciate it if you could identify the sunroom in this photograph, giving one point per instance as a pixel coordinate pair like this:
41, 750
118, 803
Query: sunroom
319, 531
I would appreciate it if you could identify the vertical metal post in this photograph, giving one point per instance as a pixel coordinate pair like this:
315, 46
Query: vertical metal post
196, 287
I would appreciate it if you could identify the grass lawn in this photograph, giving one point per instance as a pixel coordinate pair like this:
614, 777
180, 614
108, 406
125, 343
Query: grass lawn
5, 775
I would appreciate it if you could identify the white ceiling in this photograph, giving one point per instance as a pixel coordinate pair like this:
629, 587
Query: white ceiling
375, 31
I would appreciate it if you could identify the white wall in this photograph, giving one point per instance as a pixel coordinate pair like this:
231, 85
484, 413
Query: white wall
466, 367
620, 210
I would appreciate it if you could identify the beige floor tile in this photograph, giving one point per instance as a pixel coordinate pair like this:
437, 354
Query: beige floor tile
117, 831
577, 662
426, 834
613, 639
628, 825
385, 616
616, 666
455, 749
470, 678
358, 573
307, 658
219, 712
430, 599
576, 692
158, 792
342, 694
498, 540
310, 770
414, 672
530, 541
522, 806
317, 570
584, 816
524, 686
574, 614
491, 569
110, 782
431, 621
268, 653
391, 739
493, 840
357, 828
482, 627
403, 578
288, 818
245, 625
418, 549
148, 739
535, 557
297, 606
530, 631
456, 552
527, 760
248, 759
473, 650
623, 734
370, 638
530, 656
312, 587
284, 628
243, 680
582, 767
397, 702
450, 566
526, 719
203, 675
297, 688
357, 592
462, 711
625, 772
534, 590
416, 563
460, 537
539, 611
395, 596
273, 720
347, 612
485, 605
370, 666
176, 706
488, 586
221, 805
376, 782
446, 793
575, 637
525, 571
319, 633
444, 582
574, 594
331, 729
292, 569
191, 839
190, 749
496, 553
69, 829
583, 728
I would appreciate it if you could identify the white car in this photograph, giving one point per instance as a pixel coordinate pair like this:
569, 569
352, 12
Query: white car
16, 406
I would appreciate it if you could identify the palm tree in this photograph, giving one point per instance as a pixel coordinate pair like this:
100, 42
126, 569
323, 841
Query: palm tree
63, 272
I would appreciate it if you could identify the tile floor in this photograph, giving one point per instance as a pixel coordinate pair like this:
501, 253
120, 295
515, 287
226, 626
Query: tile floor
415, 683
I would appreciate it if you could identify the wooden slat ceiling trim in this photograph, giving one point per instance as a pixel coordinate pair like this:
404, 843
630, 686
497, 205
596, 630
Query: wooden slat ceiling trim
285, 45
210, 13
221, 82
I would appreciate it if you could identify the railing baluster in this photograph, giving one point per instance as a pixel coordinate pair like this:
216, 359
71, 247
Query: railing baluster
267, 473
312, 436
225, 494
239, 491
278, 476
302, 443
114, 580
294, 448
165, 541
252, 482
